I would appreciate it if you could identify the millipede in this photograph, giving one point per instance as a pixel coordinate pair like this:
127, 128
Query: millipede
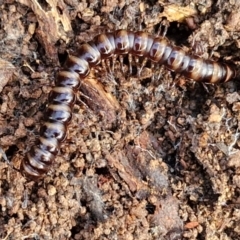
157, 50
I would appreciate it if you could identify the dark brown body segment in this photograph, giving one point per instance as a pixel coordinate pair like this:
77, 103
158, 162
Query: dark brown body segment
39, 159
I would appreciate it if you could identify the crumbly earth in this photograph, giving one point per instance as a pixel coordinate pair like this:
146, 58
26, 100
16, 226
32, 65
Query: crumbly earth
149, 154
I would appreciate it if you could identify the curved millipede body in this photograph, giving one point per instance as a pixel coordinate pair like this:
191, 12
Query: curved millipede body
38, 160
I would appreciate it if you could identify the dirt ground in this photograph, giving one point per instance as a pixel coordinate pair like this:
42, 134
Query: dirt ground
154, 156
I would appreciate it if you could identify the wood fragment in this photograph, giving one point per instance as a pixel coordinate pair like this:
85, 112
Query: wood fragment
6, 73
174, 12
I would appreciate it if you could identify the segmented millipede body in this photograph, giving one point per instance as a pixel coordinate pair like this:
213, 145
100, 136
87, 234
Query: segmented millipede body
38, 160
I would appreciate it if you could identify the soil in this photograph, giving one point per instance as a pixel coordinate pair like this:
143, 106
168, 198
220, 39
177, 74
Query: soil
148, 156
